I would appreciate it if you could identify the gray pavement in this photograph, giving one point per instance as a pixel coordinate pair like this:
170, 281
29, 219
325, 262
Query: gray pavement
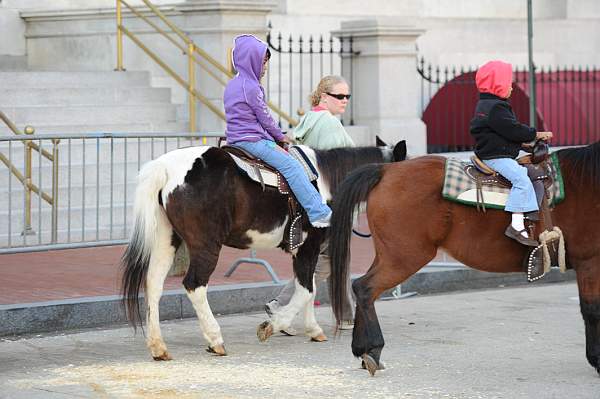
523, 342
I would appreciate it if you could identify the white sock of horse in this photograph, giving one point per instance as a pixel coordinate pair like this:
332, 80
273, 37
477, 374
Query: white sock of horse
518, 223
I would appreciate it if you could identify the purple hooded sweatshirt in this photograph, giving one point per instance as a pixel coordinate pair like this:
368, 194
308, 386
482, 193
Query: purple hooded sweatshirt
246, 112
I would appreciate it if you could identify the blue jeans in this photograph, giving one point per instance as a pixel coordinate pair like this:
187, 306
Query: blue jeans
522, 195
277, 157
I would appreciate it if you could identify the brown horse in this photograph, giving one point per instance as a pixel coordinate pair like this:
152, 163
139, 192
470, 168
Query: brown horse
409, 221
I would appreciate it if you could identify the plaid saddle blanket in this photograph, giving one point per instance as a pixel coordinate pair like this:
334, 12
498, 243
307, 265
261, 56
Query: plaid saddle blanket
462, 188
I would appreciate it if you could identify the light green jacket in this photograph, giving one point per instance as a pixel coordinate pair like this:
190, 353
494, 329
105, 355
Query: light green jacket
322, 131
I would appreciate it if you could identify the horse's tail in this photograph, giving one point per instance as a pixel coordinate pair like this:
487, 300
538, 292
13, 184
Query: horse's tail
149, 218
354, 190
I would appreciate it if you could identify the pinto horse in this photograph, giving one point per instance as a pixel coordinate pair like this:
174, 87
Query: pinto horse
409, 221
197, 195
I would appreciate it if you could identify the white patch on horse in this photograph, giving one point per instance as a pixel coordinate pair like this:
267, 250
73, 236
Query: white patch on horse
179, 163
301, 298
208, 324
323, 187
271, 239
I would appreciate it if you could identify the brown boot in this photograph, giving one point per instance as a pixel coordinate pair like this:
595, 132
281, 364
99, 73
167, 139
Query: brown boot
517, 236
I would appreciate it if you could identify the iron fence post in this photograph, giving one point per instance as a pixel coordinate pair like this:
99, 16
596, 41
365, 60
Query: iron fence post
54, 233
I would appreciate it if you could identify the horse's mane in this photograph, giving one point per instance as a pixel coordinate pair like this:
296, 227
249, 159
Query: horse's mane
337, 163
583, 165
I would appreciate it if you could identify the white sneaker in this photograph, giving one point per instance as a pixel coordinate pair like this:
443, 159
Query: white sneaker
323, 222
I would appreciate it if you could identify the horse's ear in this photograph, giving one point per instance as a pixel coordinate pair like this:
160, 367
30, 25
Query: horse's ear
400, 151
379, 142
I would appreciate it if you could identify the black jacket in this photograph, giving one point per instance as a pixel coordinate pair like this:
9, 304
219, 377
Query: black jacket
497, 132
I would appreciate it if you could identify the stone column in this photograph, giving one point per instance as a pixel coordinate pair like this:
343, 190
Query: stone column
385, 84
213, 24
12, 39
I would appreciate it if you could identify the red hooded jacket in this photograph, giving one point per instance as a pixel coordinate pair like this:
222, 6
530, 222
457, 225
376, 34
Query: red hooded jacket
495, 128
495, 77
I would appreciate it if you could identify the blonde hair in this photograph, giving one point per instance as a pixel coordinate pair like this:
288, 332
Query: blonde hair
324, 86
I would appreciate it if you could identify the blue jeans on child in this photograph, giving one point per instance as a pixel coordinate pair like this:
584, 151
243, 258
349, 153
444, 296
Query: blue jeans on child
277, 157
522, 195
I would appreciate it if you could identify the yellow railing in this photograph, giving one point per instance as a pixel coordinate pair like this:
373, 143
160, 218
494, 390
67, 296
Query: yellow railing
196, 56
26, 178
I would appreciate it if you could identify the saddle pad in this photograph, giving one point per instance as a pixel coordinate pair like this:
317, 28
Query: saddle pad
459, 187
269, 177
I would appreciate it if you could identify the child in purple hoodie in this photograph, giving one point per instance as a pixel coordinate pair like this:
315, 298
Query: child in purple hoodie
251, 127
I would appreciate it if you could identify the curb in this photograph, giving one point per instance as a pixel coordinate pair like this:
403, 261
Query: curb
104, 311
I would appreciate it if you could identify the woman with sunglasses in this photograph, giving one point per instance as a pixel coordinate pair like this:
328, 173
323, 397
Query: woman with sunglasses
322, 130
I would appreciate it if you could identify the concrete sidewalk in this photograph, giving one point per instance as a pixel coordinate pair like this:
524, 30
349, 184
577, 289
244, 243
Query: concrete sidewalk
509, 343
72, 289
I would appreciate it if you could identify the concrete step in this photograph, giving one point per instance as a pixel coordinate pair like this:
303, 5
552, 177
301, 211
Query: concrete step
73, 79
139, 126
30, 97
91, 115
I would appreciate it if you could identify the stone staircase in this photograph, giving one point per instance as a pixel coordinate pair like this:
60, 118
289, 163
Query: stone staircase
77, 102
93, 203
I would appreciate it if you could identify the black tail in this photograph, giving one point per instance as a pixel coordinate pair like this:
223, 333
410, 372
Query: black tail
354, 190
135, 268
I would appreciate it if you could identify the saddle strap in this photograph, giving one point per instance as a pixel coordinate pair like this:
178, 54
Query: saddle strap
260, 178
479, 192
546, 212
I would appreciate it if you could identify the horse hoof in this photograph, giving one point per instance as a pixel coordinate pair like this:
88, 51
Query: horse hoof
319, 338
165, 356
264, 331
217, 350
370, 364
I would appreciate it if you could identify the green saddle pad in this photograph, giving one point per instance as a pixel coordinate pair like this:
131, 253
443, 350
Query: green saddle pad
459, 187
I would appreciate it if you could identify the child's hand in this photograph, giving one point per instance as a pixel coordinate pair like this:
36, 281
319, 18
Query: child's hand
544, 136
287, 140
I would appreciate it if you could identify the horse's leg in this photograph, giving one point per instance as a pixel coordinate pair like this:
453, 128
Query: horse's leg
388, 270
320, 274
311, 326
203, 260
304, 266
588, 281
161, 260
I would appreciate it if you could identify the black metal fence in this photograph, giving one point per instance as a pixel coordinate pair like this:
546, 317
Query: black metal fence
568, 104
298, 64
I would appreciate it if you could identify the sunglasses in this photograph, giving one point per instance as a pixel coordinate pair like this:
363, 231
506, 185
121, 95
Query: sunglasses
339, 96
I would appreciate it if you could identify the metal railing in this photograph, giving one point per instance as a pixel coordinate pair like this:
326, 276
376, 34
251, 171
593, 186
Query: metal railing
195, 56
25, 178
298, 64
568, 104
91, 202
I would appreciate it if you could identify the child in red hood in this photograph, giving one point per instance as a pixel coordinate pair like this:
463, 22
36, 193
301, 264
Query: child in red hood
499, 137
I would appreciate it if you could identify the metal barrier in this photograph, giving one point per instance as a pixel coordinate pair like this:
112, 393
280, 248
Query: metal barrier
92, 186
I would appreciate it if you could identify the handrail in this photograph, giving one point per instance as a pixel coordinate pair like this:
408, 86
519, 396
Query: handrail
173, 74
28, 130
26, 179
190, 50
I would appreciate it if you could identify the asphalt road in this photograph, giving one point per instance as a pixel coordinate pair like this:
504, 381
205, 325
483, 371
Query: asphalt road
525, 342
